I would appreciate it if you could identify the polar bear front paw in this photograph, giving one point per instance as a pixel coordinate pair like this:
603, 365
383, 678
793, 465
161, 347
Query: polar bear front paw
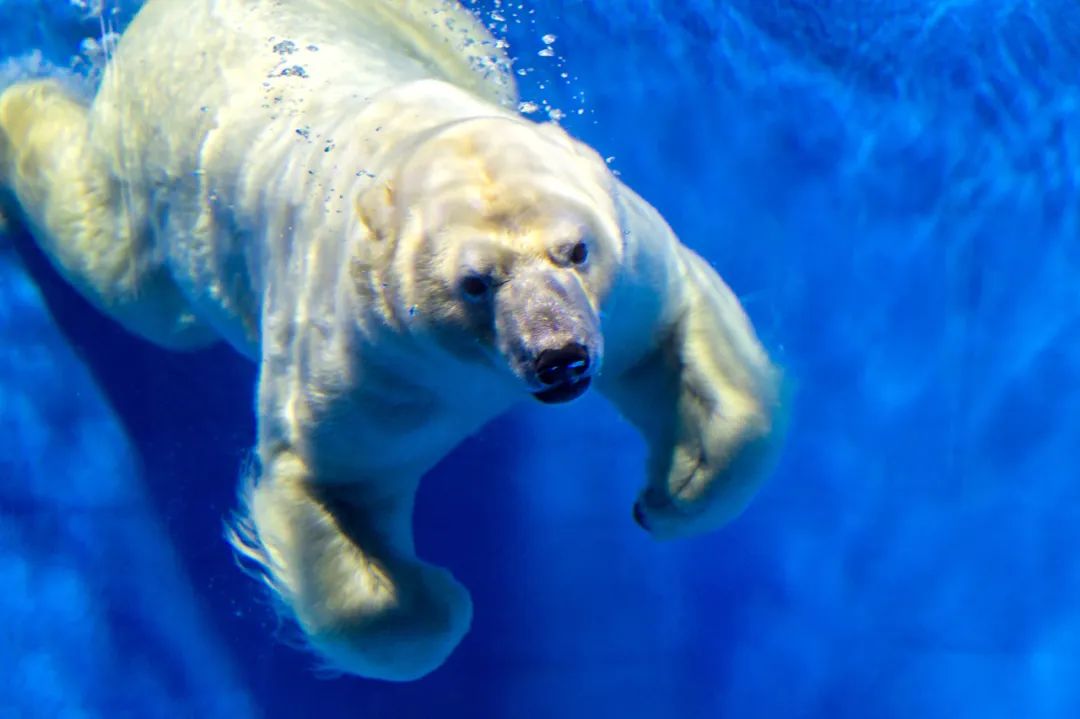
346, 570
402, 631
708, 479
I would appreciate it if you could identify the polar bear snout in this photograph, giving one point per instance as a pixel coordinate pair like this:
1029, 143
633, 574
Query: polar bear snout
549, 333
564, 365
564, 372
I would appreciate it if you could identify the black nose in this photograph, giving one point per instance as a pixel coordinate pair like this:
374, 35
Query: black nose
566, 364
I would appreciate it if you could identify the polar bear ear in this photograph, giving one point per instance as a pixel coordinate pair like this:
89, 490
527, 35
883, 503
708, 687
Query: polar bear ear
376, 208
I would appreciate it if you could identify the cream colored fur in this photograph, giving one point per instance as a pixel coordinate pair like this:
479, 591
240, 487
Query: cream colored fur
311, 180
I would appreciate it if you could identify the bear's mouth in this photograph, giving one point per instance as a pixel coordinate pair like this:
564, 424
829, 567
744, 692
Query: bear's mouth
564, 392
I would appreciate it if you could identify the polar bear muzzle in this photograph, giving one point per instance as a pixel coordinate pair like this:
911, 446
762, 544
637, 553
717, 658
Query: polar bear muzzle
549, 333
565, 373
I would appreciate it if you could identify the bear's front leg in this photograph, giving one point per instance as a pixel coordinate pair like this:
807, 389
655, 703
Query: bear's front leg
705, 396
340, 558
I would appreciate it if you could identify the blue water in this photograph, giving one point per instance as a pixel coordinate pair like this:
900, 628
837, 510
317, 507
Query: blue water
891, 188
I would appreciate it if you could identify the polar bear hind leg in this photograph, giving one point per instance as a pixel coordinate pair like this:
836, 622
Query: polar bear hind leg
94, 233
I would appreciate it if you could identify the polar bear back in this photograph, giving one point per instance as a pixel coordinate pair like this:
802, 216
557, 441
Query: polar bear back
215, 113
275, 55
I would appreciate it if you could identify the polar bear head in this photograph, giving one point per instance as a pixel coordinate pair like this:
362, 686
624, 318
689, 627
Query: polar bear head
503, 242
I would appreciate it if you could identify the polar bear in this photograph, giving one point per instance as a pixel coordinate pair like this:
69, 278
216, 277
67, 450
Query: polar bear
343, 191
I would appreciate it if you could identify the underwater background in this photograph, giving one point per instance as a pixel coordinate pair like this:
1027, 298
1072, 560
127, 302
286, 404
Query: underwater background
891, 187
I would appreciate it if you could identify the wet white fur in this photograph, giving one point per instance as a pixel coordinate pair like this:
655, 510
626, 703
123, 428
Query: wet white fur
309, 203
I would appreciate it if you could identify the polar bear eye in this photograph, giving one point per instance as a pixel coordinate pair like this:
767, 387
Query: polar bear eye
579, 253
476, 287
